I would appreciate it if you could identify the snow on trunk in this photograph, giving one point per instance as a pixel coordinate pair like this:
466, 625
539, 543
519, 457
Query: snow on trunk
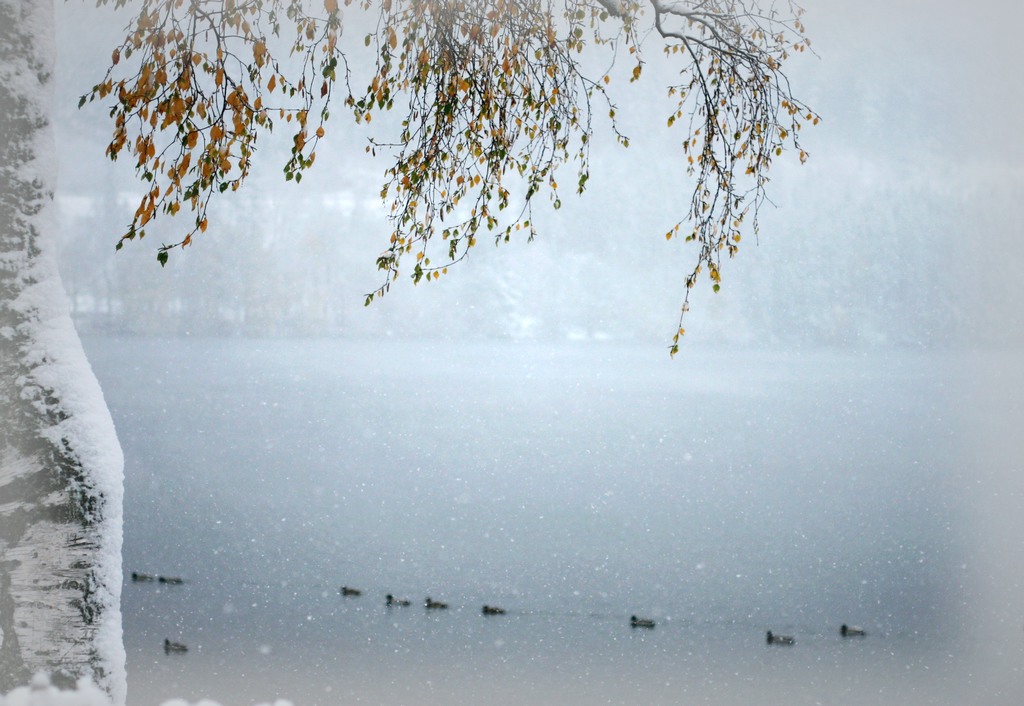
61, 466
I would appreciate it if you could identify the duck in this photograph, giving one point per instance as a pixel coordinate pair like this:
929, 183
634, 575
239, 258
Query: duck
137, 577
390, 601
172, 580
852, 631
636, 622
774, 639
170, 647
348, 591
431, 604
493, 610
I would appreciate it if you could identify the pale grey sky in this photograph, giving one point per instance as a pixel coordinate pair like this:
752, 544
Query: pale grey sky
913, 176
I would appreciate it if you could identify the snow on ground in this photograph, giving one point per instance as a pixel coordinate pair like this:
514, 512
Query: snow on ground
42, 693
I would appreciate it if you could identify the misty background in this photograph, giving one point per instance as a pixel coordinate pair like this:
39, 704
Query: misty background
896, 233
839, 434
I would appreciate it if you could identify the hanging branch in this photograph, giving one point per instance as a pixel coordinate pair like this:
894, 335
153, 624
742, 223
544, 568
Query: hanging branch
493, 99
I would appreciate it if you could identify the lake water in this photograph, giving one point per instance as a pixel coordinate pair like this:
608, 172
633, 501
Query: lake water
721, 494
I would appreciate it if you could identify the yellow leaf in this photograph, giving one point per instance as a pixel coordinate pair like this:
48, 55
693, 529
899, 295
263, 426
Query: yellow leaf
259, 52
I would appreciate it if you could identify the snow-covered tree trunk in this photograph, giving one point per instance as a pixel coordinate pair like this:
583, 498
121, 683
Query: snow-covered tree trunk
60, 463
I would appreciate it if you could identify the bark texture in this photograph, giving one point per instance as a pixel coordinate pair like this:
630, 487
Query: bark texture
60, 466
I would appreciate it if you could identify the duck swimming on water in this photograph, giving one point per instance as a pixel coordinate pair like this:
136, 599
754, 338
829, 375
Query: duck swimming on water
636, 622
774, 639
177, 647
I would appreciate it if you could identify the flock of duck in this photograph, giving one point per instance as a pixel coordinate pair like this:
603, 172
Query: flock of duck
646, 623
430, 604
844, 630
150, 578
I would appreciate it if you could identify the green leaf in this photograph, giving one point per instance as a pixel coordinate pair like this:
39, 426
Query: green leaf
161, 257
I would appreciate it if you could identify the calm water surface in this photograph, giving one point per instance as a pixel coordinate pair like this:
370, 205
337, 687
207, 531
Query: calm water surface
574, 485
